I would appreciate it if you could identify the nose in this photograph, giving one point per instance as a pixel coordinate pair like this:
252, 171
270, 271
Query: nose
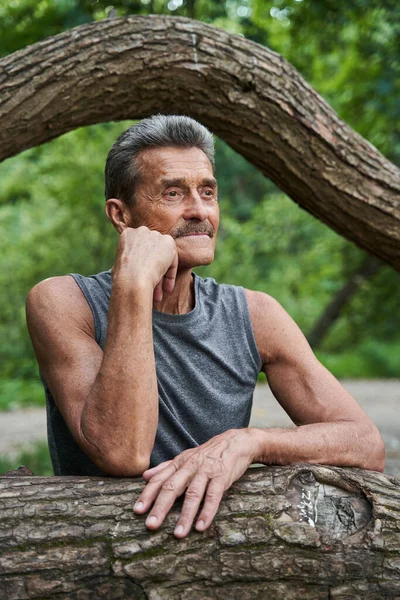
195, 207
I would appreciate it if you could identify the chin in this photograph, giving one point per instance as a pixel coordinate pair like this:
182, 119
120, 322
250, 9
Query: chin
196, 260
195, 253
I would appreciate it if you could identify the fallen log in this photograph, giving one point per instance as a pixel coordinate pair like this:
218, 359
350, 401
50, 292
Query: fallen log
299, 532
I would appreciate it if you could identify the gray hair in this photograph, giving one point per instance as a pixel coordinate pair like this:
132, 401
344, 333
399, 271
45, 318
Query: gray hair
121, 172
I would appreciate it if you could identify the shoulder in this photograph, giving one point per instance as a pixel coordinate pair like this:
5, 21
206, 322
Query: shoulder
274, 330
264, 309
58, 299
52, 288
259, 301
54, 293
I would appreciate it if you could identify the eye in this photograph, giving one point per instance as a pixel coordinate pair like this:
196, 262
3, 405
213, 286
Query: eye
173, 194
209, 192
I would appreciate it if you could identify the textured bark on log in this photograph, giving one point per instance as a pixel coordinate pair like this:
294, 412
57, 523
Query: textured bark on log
299, 532
248, 95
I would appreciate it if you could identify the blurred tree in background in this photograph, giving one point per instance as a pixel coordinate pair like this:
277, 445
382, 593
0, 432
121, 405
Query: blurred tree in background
52, 202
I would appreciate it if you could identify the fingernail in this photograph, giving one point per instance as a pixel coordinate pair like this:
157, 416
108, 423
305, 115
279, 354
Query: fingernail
200, 525
138, 506
151, 520
179, 529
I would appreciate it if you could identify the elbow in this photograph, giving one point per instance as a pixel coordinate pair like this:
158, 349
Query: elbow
375, 451
381, 454
117, 461
118, 465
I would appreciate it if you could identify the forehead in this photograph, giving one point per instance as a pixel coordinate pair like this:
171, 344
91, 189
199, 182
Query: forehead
170, 162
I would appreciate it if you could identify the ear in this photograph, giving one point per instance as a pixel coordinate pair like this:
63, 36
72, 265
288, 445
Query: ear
119, 214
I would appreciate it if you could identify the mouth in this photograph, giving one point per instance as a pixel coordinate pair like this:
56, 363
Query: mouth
196, 233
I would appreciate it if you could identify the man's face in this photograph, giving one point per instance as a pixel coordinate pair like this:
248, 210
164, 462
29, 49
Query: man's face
177, 195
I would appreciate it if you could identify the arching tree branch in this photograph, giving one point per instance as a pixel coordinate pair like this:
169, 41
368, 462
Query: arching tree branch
248, 95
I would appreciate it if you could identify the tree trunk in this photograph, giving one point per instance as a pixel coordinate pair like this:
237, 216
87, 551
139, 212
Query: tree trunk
191, 9
299, 532
248, 95
368, 268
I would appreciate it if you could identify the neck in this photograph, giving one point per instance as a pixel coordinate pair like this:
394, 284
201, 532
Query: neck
181, 299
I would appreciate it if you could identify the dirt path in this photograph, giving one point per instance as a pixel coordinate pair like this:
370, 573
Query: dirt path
379, 399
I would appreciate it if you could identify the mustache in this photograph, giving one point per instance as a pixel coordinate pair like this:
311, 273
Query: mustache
189, 228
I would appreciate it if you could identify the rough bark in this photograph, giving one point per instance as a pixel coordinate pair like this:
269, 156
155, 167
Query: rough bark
248, 95
300, 532
366, 271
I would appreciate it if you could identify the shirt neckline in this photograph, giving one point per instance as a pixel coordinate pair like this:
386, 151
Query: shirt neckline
161, 317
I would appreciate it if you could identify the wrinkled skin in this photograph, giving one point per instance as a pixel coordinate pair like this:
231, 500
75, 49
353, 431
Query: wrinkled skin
204, 472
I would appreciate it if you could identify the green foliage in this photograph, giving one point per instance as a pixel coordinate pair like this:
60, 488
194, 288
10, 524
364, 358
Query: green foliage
241, 186
52, 215
20, 393
370, 359
349, 52
36, 457
23, 22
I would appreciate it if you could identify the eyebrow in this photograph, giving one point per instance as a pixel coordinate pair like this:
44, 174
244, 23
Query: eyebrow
182, 182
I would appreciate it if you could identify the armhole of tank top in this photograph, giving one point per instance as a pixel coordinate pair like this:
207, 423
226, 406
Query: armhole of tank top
80, 282
53, 450
251, 340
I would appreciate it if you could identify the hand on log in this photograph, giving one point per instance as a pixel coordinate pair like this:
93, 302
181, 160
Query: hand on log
201, 473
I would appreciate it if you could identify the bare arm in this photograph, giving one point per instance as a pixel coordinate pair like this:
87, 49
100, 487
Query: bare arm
109, 400
333, 429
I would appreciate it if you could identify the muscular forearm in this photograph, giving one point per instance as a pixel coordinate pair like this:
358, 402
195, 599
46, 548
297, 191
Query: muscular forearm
342, 443
120, 414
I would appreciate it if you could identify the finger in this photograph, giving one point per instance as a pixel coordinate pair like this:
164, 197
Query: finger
152, 488
212, 501
170, 275
193, 497
158, 292
171, 489
148, 474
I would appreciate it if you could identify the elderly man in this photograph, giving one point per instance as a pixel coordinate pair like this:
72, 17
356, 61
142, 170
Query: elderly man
149, 365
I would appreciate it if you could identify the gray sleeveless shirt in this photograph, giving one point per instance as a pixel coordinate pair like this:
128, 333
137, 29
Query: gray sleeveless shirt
207, 364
